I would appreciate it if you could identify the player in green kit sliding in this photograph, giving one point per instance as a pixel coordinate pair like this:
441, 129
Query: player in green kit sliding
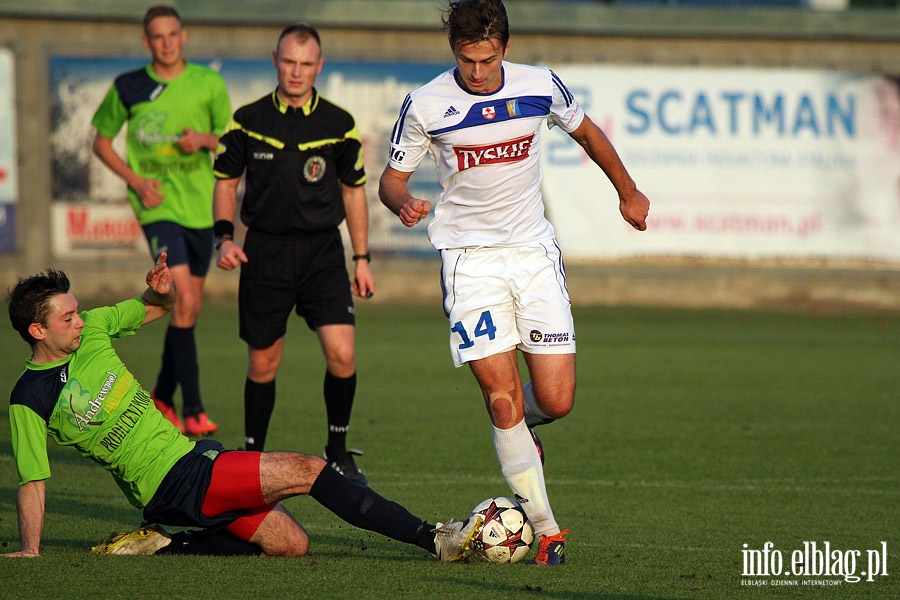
77, 390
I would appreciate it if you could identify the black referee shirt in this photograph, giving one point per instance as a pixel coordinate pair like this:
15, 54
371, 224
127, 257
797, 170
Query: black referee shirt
295, 161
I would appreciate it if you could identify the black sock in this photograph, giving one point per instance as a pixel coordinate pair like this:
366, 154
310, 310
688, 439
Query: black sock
166, 380
259, 402
364, 508
219, 543
187, 370
425, 537
339, 392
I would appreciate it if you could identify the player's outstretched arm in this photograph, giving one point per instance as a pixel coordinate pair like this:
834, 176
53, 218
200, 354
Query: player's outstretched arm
31, 500
160, 293
633, 204
393, 190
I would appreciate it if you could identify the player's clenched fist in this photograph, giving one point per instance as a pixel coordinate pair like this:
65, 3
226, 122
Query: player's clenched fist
414, 211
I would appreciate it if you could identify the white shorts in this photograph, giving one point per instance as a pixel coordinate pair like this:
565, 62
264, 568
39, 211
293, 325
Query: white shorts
497, 299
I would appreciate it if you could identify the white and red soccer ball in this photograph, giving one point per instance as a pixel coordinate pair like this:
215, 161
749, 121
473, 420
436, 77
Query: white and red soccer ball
506, 535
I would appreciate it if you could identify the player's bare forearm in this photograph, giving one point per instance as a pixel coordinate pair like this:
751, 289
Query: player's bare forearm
600, 150
357, 211
633, 204
393, 190
225, 199
148, 190
30, 505
104, 150
229, 255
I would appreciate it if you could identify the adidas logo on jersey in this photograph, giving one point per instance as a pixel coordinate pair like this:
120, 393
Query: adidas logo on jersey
451, 112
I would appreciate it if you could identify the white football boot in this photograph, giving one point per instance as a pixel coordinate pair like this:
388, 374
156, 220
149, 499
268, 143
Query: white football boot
453, 539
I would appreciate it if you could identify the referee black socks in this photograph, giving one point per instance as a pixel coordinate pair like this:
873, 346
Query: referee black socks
259, 402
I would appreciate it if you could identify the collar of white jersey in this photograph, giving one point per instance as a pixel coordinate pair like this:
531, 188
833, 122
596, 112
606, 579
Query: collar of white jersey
462, 86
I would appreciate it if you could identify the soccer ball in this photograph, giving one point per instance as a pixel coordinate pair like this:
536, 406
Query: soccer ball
506, 535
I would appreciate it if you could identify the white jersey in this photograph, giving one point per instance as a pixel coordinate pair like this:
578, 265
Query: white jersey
487, 152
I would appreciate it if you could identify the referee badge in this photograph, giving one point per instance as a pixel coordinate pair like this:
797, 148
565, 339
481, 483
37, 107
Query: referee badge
314, 169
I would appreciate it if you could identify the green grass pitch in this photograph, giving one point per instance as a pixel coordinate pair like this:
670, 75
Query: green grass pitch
694, 433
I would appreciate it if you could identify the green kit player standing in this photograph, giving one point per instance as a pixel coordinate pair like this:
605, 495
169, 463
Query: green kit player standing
175, 112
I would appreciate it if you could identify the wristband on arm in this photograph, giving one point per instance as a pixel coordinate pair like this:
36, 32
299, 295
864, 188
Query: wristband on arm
223, 231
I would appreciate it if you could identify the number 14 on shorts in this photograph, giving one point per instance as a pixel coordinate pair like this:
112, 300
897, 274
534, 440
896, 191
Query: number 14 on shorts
485, 326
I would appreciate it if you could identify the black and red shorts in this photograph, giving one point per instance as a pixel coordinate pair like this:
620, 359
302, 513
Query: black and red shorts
211, 488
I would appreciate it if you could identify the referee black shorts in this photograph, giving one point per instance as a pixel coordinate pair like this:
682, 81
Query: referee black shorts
307, 274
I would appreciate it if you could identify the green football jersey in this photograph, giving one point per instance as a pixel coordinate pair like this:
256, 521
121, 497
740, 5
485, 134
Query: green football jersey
157, 113
91, 402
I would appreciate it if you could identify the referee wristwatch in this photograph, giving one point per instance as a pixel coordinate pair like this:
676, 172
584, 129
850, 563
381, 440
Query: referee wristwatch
366, 257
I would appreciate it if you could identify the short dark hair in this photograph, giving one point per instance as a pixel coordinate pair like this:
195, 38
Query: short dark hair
302, 30
473, 21
160, 10
29, 300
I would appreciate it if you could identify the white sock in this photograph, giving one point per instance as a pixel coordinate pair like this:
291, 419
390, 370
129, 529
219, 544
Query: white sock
533, 414
521, 466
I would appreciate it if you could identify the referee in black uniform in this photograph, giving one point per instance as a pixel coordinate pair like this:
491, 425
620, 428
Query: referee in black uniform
303, 161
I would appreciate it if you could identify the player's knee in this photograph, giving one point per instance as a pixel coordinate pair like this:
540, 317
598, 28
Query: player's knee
558, 407
341, 362
293, 547
263, 368
305, 466
503, 412
262, 374
501, 405
281, 535
186, 311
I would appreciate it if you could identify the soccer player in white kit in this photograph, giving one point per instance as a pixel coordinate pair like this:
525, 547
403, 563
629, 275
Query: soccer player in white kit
502, 272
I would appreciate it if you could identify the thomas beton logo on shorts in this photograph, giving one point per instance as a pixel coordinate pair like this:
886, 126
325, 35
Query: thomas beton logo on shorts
812, 563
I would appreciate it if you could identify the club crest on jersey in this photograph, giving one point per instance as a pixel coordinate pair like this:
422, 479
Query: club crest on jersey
502, 152
488, 113
314, 169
